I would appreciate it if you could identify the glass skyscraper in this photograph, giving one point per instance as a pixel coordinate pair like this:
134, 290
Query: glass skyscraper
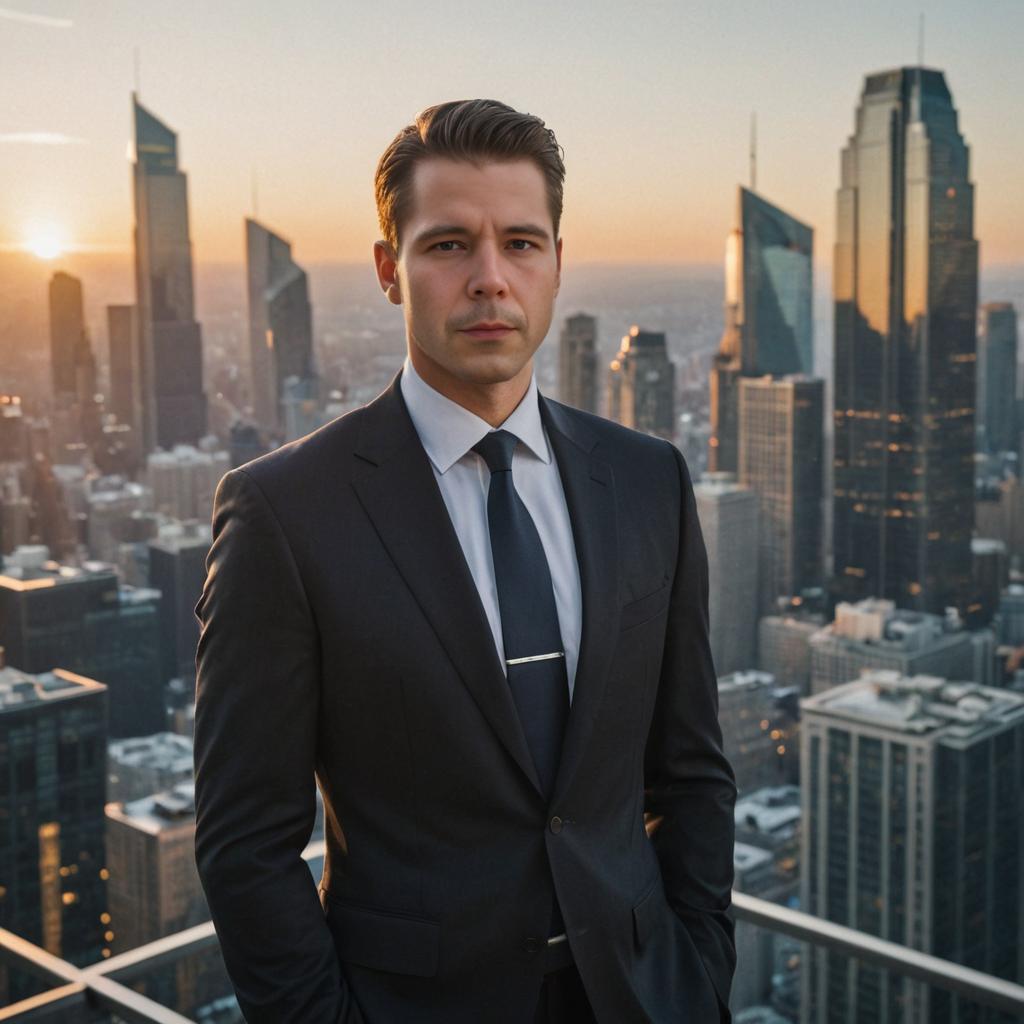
905, 284
280, 325
172, 404
768, 319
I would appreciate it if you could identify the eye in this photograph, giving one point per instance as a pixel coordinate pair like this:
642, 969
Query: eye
522, 244
447, 246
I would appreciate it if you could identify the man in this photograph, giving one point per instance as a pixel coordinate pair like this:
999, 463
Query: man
479, 618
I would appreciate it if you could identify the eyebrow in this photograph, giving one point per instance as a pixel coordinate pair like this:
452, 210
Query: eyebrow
446, 230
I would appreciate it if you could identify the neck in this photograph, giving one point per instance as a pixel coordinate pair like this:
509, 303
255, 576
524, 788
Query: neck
492, 402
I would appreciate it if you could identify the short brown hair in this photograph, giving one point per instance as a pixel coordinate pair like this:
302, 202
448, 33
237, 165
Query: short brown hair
472, 130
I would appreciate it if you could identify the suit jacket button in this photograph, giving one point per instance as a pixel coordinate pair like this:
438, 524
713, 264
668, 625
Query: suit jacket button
555, 824
531, 945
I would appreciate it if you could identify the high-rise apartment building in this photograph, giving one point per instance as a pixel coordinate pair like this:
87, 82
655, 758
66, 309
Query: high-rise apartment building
280, 325
746, 708
905, 286
997, 376
728, 519
768, 318
642, 384
170, 350
911, 832
781, 444
577, 362
52, 777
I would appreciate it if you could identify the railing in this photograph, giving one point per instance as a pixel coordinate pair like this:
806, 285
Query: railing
104, 985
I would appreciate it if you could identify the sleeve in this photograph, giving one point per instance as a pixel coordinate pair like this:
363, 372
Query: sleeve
257, 696
688, 780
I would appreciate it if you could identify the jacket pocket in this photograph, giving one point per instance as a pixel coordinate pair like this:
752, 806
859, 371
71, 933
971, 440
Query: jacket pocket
645, 913
637, 612
385, 940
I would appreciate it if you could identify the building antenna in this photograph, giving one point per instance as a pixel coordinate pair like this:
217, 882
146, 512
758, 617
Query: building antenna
753, 152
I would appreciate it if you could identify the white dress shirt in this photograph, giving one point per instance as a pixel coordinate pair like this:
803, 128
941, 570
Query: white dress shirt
448, 433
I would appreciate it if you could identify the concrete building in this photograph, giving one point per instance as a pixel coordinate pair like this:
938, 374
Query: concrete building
784, 648
143, 765
183, 481
875, 634
911, 818
746, 709
781, 446
728, 518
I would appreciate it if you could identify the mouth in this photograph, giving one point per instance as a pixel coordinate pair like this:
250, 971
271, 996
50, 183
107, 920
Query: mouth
487, 329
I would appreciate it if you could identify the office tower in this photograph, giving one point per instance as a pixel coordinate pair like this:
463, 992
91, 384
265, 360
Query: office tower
70, 353
170, 356
997, 376
81, 618
143, 765
780, 459
122, 353
577, 362
280, 324
109, 503
746, 709
184, 481
784, 648
912, 833
154, 884
14, 446
875, 634
905, 285
990, 570
999, 513
641, 384
52, 775
177, 568
768, 318
728, 518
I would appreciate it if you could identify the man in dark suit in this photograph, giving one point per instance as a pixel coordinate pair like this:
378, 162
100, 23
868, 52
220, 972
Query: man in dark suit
479, 619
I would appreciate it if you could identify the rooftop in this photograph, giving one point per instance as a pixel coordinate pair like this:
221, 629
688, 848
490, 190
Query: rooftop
171, 809
19, 690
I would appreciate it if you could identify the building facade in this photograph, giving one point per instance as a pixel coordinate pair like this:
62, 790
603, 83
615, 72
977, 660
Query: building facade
905, 289
642, 384
577, 362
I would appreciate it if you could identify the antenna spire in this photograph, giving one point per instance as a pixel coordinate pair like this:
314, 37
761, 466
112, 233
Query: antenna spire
753, 152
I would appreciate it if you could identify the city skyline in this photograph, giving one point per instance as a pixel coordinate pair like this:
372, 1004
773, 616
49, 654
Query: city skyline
682, 101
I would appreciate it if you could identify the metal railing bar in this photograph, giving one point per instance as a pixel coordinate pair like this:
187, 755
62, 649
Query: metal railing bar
944, 974
33, 960
135, 963
54, 1005
130, 1005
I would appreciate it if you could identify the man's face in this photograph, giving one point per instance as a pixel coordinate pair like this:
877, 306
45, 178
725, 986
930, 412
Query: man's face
477, 272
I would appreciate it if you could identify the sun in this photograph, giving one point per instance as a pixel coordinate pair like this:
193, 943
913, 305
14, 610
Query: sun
46, 245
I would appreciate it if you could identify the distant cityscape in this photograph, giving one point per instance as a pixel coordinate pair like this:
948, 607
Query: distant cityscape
855, 447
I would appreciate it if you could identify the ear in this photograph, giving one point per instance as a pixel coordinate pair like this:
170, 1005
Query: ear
386, 262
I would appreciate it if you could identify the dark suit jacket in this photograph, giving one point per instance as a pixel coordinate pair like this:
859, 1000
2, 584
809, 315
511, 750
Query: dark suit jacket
342, 635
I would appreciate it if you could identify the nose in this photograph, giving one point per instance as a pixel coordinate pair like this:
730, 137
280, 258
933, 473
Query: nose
487, 275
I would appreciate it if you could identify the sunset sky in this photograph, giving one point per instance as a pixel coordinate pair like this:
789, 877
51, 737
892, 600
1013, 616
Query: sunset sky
651, 102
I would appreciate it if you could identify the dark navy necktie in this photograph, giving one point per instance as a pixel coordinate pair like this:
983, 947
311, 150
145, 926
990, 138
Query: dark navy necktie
534, 657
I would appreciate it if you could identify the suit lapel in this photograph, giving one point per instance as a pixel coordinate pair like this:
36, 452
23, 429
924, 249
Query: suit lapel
590, 496
399, 492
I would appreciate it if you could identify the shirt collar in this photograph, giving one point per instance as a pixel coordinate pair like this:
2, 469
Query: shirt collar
447, 430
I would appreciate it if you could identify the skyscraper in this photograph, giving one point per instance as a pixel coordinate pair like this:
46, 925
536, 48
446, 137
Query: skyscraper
642, 384
728, 519
71, 357
911, 833
780, 460
123, 352
997, 375
905, 284
170, 364
280, 324
577, 362
768, 319
52, 778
